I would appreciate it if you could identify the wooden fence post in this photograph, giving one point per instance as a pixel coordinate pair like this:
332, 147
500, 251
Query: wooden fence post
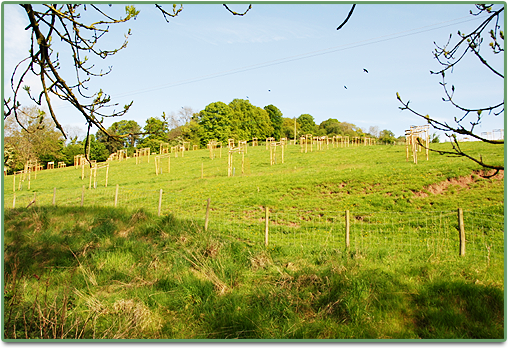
107, 174
82, 195
266, 225
160, 202
14, 201
54, 195
116, 195
462, 234
207, 211
347, 229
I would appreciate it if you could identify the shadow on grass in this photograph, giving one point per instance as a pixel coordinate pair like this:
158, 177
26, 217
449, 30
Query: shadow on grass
219, 289
455, 310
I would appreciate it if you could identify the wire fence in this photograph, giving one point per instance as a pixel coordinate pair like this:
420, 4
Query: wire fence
428, 233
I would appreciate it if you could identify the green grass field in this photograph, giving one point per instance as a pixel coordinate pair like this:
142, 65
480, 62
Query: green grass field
119, 273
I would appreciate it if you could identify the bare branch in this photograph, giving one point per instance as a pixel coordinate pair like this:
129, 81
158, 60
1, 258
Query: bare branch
165, 13
236, 13
347, 18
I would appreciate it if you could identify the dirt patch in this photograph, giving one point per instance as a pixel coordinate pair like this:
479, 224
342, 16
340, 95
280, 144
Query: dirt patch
463, 182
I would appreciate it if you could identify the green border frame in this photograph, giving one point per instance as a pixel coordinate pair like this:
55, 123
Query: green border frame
260, 343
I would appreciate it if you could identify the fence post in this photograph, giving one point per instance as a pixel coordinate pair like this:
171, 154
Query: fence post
107, 173
207, 211
82, 195
54, 195
347, 229
14, 201
266, 225
160, 202
462, 233
116, 195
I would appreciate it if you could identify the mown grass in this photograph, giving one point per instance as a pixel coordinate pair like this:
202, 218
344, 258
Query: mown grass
123, 273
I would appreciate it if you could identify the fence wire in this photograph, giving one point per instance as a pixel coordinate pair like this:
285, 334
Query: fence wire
426, 232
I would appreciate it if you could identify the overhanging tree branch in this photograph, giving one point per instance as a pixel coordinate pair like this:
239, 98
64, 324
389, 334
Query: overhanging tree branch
448, 59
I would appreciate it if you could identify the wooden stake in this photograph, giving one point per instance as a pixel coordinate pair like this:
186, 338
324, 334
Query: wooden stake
90, 183
207, 213
462, 233
14, 201
82, 195
54, 195
14, 182
347, 229
107, 173
266, 225
160, 203
116, 195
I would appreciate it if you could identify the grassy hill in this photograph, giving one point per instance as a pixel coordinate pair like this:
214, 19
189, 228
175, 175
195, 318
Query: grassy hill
100, 271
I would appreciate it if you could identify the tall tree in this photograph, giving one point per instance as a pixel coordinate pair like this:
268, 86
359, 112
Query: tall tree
307, 125
215, 121
331, 126
449, 56
129, 129
249, 121
276, 119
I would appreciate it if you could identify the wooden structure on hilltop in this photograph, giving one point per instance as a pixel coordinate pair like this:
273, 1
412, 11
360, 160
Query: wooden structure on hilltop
416, 136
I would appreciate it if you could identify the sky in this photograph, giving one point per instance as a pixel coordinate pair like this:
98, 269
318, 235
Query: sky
288, 55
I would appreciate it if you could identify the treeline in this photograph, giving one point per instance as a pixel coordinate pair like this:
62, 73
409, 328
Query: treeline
218, 121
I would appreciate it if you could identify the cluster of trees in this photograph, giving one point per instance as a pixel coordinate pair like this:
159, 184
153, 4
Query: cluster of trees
218, 121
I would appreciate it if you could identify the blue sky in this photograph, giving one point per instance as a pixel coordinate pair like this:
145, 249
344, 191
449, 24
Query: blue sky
288, 55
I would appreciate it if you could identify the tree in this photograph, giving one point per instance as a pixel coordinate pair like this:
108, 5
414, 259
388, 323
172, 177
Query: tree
307, 125
215, 121
276, 118
129, 129
64, 24
72, 149
38, 140
156, 131
331, 126
288, 128
387, 137
156, 128
374, 131
450, 55
98, 150
248, 121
